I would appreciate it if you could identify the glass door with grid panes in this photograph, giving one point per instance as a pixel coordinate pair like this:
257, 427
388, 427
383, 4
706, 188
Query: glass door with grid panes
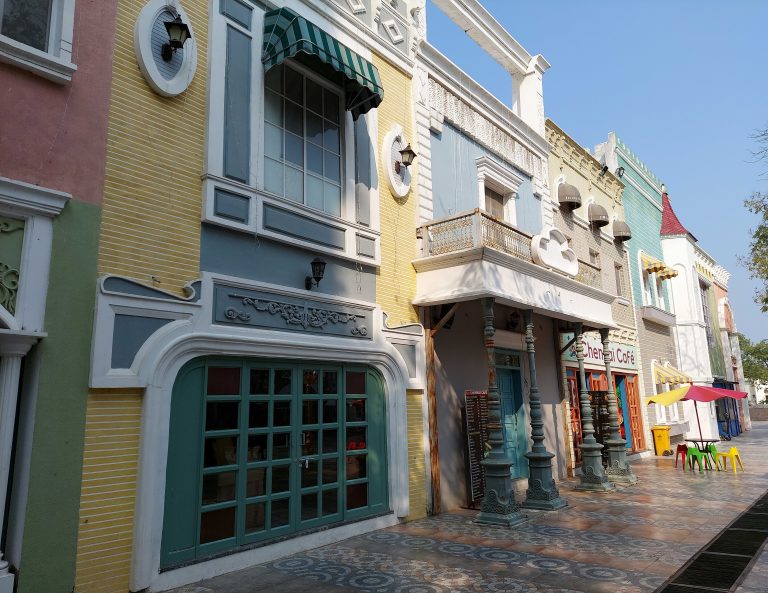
280, 449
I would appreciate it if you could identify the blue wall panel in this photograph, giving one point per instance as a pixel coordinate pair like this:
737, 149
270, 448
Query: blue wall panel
454, 179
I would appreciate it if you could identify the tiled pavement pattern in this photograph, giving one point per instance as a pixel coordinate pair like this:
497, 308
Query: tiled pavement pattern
628, 541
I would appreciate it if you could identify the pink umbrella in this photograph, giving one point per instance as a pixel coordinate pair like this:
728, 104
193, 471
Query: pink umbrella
695, 393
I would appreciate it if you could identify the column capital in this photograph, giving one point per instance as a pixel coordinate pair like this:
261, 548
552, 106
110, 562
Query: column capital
17, 343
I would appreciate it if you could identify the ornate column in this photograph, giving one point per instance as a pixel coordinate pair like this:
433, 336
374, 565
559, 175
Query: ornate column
499, 504
618, 469
542, 492
592, 473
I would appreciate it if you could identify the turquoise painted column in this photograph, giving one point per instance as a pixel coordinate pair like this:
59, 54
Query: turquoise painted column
542, 492
592, 473
499, 504
618, 469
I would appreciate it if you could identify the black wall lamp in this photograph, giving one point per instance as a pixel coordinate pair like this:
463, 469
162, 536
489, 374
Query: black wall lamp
603, 171
318, 271
406, 158
178, 33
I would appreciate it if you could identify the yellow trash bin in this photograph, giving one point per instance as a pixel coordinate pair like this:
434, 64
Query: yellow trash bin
661, 440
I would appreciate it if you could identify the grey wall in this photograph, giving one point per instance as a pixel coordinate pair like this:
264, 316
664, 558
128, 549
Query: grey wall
461, 364
240, 254
454, 179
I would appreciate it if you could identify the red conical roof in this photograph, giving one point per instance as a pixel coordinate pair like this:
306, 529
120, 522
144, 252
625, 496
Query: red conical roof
670, 223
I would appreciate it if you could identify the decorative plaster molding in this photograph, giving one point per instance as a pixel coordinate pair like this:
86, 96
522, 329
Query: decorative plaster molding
292, 314
580, 159
394, 34
461, 84
356, 6
26, 198
399, 182
480, 128
550, 249
146, 57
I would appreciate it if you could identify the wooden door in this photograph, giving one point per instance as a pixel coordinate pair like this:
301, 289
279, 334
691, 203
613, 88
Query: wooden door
635, 418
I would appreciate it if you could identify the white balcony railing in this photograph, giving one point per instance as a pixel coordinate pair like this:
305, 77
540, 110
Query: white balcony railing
479, 229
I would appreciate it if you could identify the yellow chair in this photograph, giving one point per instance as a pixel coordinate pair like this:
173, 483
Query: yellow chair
733, 455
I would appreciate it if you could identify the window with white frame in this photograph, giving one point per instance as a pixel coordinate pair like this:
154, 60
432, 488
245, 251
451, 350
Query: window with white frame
286, 157
660, 300
302, 138
27, 21
647, 289
704, 292
498, 186
661, 411
621, 281
37, 35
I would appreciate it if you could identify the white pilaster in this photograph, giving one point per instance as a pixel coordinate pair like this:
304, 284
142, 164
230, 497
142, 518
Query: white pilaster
13, 347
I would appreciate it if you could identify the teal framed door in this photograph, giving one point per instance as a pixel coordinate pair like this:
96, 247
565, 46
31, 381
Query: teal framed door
265, 450
513, 419
625, 426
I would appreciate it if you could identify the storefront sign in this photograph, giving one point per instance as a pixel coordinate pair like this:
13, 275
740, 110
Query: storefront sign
623, 356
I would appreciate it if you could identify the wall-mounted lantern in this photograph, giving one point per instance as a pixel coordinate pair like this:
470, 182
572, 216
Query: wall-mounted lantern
406, 158
178, 33
318, 271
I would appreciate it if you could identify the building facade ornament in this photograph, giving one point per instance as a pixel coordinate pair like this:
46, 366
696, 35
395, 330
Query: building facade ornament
480, 128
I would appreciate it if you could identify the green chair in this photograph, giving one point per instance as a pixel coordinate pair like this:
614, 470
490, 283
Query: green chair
700, 457
712, 453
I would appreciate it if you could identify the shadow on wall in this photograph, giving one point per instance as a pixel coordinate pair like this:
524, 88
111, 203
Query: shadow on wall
461, 364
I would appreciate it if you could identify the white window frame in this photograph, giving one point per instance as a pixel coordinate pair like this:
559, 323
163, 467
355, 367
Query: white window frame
502, 180
661, 302
254, 188
54, 64
661, 411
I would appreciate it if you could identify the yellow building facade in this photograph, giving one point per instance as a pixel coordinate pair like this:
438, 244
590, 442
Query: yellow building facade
254, 314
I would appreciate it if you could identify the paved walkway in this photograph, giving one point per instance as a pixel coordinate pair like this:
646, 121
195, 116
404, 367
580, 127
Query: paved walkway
628, 541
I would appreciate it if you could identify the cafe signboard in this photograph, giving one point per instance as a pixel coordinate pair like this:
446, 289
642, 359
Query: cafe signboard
623, 356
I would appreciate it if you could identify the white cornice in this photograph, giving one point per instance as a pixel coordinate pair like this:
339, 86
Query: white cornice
31, 199
488, 33
461, 84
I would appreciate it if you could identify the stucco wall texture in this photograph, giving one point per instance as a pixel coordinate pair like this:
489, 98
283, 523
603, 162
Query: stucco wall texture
54, 135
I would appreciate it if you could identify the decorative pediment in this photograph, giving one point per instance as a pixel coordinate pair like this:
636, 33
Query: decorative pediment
550, 249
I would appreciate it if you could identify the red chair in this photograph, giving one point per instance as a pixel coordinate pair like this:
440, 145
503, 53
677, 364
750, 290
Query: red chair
682, 451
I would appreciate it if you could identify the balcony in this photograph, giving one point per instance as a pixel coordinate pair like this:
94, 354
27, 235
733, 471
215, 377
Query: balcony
473, 254
657, 315
480, 229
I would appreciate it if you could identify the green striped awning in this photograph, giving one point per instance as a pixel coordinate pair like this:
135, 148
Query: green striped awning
287, 34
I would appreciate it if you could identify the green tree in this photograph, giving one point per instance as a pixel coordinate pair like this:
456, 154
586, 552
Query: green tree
756, 261
754, 358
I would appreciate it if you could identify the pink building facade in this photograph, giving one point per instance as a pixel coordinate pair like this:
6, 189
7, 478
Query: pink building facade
55, 75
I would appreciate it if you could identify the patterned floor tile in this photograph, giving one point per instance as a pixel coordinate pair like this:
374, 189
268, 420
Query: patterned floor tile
627, 541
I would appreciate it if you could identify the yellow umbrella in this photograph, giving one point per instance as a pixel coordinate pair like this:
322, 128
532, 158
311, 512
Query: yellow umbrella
668, 397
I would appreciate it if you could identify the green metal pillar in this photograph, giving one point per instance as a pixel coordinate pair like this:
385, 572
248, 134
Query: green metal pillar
542, 492
499, 504
592, 473
618, 469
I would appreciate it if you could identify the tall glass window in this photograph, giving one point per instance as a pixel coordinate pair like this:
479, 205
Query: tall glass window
302, 140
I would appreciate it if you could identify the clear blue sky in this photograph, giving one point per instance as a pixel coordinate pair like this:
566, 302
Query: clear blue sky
683, 82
